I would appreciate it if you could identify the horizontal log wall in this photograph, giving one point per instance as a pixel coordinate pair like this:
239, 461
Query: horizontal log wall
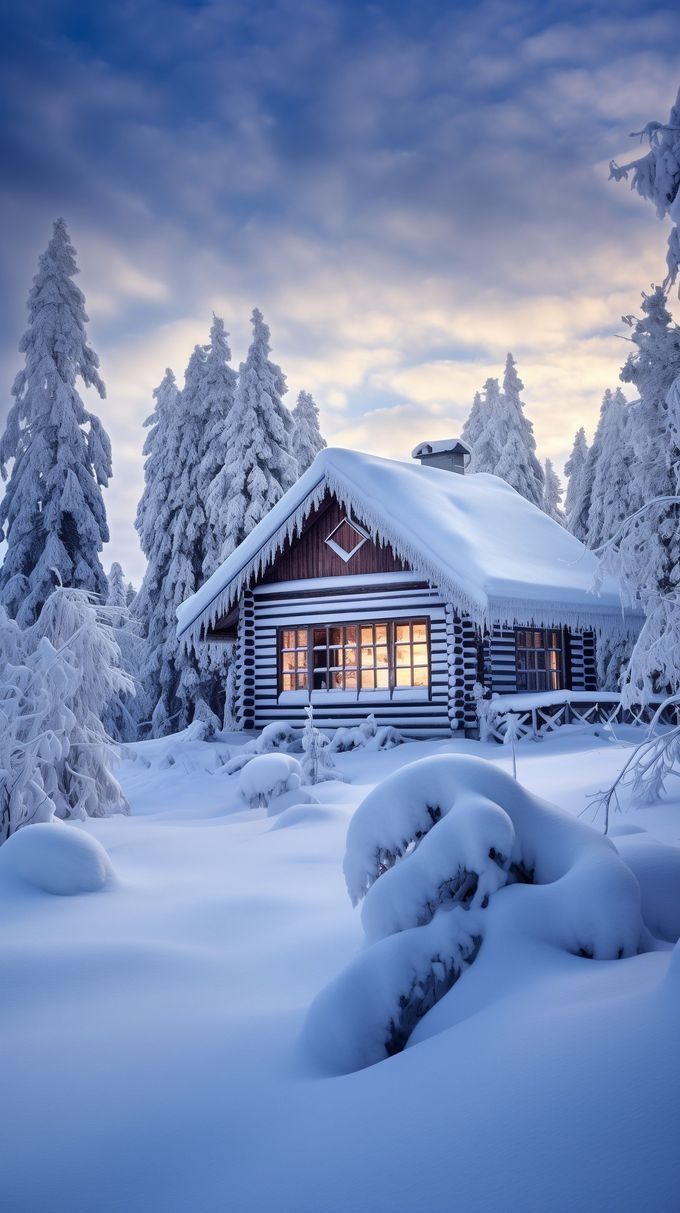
276, 607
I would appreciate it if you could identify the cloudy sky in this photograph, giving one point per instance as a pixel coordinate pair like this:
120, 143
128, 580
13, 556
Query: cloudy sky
407, 190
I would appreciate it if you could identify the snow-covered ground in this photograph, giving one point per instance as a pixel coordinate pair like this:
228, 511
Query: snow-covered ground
153, 1056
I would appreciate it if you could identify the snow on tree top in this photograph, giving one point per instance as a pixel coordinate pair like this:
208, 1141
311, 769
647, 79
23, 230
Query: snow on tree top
488, 549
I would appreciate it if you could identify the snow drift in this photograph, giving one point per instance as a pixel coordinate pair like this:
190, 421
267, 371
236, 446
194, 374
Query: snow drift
56, 858
437, 852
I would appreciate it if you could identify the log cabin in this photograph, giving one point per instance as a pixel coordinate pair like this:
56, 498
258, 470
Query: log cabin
399, 588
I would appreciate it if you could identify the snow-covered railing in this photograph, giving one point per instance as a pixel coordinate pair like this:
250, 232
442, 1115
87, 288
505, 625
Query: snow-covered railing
537, 714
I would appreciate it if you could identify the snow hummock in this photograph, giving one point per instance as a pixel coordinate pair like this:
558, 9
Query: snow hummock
56, 858
489, 550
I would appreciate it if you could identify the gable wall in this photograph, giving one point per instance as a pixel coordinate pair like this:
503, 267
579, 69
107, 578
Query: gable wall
310, 556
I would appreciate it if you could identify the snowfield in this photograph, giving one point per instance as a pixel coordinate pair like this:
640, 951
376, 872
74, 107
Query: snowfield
156, 1055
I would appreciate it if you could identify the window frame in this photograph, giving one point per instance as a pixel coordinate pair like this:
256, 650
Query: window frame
527, 673
392, 688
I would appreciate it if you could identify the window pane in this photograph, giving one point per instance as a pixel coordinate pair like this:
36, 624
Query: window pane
403, 654
420, 676
301, 637
336, 680
420, 654
319, 637
367, 680
302, 682
351, 680
420, 631
381, 656
335, 636
350, 656
382, 678
320, 680
287, 639
351, 634
403, 631
380, 634
367, 656
287, 682
404, 677
301, 659
367, 634
320, 656
288, 661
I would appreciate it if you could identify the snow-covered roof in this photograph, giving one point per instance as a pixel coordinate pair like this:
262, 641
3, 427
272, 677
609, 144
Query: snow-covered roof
487, 549
439, 446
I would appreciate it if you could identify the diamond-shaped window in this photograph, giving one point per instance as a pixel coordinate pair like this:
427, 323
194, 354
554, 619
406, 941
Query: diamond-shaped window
346, 539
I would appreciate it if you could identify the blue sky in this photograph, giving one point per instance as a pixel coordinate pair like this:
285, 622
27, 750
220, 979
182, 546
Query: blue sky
406, 190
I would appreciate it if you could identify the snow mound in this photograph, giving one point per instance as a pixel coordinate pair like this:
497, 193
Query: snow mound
269, 775
56, 858
440, 852
656, 867
297, 797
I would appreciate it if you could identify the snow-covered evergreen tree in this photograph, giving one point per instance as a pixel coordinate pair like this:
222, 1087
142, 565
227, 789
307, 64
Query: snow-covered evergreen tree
552, 494
575, 469
179, 684
117, 592
611, 489
485, 451
646, 552
307, 437
474, 424
518, 464
656, 177
217, 390
130, 594
52, 514
502, 438
261, 465
121, 713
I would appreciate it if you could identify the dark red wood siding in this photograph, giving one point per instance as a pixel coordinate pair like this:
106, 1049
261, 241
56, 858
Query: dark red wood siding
310, 556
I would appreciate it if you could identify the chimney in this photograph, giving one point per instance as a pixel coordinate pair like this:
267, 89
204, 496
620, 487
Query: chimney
448, 453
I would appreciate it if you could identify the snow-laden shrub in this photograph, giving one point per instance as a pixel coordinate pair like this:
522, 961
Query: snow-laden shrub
439, 852
267, 776
368, 735
78, 629
56, 679
56, 858
317, 763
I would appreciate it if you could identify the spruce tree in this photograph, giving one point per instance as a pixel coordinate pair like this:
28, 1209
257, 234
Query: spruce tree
552, 494
117, 592
154, 604
486, 449
217, 388
52, 514
188, 437
261, 465
575, 470
502, 438
518, 464
611, 489
307, 438
475, 422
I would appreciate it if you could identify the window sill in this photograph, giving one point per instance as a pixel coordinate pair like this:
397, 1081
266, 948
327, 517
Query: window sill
399, 695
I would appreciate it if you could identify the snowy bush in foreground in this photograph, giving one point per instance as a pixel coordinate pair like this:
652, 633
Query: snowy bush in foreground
56, 680
267, 776
439, 853
368, 735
